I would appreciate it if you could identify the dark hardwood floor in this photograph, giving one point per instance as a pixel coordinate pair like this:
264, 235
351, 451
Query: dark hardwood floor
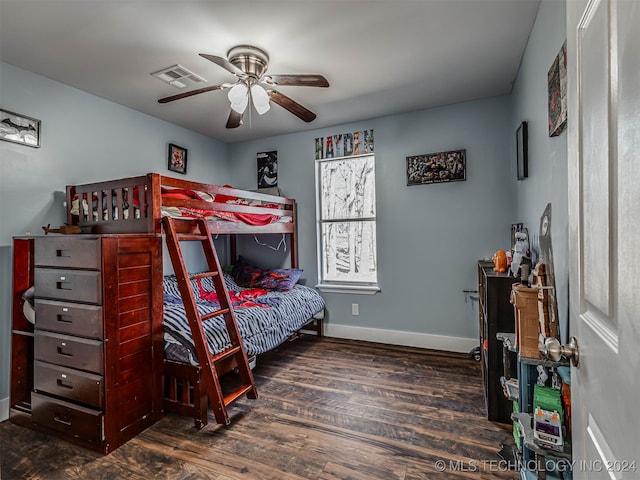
327, 409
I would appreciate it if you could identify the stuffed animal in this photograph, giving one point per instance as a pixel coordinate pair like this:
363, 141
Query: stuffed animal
500, 261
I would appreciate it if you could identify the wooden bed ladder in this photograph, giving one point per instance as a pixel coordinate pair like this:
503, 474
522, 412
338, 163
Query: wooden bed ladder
197, 230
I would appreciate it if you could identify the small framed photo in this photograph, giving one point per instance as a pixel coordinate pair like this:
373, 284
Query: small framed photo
177, 159
267, 169
20, 129
522, 146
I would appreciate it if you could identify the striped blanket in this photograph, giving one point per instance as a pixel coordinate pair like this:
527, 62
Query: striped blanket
261, 328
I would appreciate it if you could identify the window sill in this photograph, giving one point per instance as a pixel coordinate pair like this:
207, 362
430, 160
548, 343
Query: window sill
352, 289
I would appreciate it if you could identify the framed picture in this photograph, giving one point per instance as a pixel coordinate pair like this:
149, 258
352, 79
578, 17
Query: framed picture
20, 129
437, 167
522, 148
177, 159
557, 91
267, 169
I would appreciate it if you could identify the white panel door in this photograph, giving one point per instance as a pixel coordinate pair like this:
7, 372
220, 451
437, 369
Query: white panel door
603, 57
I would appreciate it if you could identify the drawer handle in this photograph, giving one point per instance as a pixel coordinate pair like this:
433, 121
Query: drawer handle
64, 286
65, 383
65, 318
62, 421
62, 352
63, 253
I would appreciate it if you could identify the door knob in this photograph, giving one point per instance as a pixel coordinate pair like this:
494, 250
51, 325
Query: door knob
553, 350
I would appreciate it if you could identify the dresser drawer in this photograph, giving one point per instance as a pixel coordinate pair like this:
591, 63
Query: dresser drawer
71, 384
67, 251
80, 422
71, 318
75, 352
75, 285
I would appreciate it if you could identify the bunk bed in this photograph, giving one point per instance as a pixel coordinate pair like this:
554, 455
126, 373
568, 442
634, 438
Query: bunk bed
138, 204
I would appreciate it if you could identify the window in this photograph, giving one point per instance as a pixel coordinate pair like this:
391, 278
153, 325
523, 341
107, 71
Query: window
347, 224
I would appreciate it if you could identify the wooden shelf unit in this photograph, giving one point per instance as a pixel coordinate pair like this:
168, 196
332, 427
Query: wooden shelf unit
21, 384
495, 315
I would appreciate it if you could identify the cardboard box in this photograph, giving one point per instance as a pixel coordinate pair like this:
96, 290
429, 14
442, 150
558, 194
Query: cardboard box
525, 301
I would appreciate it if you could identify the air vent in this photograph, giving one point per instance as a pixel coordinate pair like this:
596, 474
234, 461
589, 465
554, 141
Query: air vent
178, 76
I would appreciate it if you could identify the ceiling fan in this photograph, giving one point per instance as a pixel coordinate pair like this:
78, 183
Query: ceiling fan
249, 64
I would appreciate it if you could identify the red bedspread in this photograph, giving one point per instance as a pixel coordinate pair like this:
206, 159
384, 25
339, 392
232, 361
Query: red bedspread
256, 219
249, 218
242, 299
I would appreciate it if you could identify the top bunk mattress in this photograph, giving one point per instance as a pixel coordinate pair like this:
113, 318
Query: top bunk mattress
177, 203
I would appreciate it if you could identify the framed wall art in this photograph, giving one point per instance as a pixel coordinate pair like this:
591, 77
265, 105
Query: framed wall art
437, 167
557, 87
177, 159
522, 147
267, 169
18, 128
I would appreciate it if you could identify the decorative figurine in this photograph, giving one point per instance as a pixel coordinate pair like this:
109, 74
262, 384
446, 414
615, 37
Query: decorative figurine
500, 261
520, 250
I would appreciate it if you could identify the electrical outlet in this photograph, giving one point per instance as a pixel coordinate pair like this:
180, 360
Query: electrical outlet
355, 309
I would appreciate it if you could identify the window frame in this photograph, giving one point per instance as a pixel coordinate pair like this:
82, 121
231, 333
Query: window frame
333, 286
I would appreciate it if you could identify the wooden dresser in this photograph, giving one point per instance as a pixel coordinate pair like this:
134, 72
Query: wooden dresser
97, 349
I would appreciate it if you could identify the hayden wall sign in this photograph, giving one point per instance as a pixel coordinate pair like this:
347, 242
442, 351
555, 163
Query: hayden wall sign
344, 144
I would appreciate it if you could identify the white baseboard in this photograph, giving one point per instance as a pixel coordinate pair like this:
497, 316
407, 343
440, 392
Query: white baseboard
4, 409
395, 337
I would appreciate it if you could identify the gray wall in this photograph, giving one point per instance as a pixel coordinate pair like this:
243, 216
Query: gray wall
547, 181
84, 139
429, 236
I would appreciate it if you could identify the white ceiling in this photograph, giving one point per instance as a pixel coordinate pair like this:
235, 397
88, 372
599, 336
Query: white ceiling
380, 57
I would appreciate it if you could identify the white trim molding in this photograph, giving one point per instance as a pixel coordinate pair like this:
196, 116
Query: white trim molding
4, 409
352, 289
395, 337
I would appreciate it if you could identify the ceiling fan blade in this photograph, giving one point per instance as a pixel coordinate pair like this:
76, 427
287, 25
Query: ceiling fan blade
291, 105
194, 92
306, 80
224, 63
234, 120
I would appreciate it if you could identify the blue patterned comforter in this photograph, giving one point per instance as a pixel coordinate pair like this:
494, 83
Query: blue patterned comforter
261, 328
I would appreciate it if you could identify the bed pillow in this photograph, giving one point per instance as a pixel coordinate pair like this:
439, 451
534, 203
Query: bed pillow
248, 274
282, 279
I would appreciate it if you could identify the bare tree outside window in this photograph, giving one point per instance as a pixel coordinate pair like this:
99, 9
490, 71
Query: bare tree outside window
348, 220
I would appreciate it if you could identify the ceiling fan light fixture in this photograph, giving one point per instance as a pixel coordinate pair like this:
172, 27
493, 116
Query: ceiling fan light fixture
238, 93
241, 106
239, 98
260, 99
